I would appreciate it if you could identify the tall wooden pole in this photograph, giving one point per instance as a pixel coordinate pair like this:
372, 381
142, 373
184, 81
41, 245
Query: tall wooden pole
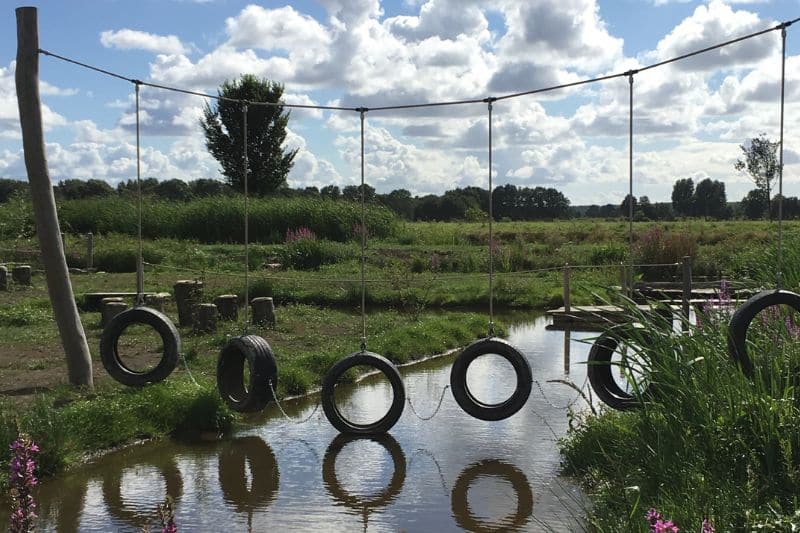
73, 338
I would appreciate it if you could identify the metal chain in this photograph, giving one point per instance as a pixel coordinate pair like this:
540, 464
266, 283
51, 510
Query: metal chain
571, 402
435, 411
283, 412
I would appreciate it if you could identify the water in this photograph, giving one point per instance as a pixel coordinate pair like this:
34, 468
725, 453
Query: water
451, 473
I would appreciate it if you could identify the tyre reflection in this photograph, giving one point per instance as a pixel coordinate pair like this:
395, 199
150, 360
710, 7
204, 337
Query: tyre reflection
463, 513
248, 474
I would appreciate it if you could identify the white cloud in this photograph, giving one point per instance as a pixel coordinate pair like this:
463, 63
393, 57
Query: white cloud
127, 39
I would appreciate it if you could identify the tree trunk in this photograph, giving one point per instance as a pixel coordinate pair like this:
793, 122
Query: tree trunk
73, 338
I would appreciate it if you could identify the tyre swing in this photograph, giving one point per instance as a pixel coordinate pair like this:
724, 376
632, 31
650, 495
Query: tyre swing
744, 315
139, 314
490, 345
250, 350
363, 357
599, 371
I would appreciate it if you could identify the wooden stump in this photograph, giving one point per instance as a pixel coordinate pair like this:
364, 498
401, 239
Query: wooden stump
205, 318
228, 306
111, 307
3, 278
156, 301
21, 274
187, 294
263, 311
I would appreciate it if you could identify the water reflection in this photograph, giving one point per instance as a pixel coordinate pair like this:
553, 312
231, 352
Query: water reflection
248, 474
132, 493
464, 513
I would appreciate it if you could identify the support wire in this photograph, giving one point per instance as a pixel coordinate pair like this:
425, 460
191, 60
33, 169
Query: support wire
246, 222
489, 102
630, 182
140, 258
780, 163
362, 111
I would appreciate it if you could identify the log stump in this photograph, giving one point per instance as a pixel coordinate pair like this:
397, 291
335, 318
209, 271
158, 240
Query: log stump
187, 295
3, 278
263, 311
205, 318
21, 274
228, 306
156, 301
111, 307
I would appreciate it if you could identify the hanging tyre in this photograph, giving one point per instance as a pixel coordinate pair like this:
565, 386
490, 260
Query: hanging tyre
741, 319
254, 393
472, 405
601, 377
334, 415
109, 346
368, 502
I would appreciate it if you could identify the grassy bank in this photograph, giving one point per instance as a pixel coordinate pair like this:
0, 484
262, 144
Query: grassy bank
708, 443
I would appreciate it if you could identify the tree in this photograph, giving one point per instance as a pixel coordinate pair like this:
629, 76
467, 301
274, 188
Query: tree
174, 189
683, 196
710, 199
761, 163
625, 207
268, 164
330, 191
399, 201
203, 187
353, 193
9, 187
754, 204
74, 189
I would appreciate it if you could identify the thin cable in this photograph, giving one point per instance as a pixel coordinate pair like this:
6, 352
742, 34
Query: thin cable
435, 411
363, 242
780, 162
630, 178
246, 222
283, 412
140, 258
491, 235
783, 25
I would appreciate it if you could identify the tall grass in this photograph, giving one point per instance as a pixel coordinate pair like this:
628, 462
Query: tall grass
708, 442
221, 218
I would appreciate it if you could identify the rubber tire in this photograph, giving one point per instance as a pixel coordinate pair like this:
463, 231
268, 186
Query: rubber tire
599, 372
233, 480
112, 493
491, 467
109, 349
378, 362
382, 499
741, 319
256, 394
469, 403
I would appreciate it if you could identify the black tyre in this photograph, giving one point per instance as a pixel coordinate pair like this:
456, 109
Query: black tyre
233, 460
255, 394
491, 468
741, 319
381, 499
378, 362
109, 349
601, 378
464, 397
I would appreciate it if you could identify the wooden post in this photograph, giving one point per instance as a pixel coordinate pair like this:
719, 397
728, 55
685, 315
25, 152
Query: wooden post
263, 311
3, 278
187, 295
89, 250
65, 311
227, 305
687, 288
566, 288
623, 279
156, 301
109, 308
21, 274
205, 318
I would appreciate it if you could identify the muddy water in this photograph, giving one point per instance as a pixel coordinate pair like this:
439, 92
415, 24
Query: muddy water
451, 473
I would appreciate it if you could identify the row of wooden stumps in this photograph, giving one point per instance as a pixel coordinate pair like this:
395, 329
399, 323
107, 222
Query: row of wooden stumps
192, 312
20, 275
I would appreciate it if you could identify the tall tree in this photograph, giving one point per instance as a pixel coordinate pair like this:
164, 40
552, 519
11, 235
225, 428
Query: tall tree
267, 161
682, 196
760, 162
710, 199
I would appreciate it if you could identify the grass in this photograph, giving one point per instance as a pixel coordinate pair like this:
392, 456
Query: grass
708, 442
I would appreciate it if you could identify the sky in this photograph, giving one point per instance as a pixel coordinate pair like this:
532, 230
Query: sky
689, 117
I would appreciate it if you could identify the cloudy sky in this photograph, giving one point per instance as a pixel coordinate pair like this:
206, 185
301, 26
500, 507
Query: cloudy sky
689, 117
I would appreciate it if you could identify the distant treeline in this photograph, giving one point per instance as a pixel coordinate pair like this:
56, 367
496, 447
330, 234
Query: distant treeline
468, 203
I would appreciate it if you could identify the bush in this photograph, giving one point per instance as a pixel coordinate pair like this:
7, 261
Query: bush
306, 254
659, 247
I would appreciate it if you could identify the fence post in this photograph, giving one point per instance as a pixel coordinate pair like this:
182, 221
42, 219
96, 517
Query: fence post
89, 250
687, 288
566, 288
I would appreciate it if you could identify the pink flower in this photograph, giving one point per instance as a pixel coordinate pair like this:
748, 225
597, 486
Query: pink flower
707, 527
664, 526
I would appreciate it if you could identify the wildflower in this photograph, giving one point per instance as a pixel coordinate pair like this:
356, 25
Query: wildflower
707, 527
300, 234
22, 478
652, 516
664, 526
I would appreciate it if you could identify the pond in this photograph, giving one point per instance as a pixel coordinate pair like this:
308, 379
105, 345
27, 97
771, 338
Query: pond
450, 473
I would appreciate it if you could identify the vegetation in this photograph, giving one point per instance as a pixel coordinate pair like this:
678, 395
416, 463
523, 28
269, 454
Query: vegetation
761, 164
223, 122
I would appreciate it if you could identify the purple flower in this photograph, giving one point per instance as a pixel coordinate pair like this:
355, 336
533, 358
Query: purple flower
652, 515
664, 526
22, 478
707, 527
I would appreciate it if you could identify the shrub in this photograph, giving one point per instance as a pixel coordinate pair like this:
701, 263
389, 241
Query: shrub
308, 254
659, 247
